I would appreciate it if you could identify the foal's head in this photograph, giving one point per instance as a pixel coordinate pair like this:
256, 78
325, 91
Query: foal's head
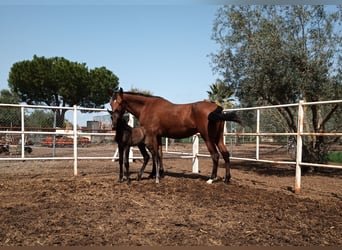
117, 118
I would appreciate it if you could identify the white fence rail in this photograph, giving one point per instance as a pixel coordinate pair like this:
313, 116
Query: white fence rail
299, 138
21, 131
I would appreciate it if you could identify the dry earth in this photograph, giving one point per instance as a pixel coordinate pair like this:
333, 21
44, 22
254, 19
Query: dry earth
42, 203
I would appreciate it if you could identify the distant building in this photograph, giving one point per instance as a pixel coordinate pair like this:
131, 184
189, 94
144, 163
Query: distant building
100, 124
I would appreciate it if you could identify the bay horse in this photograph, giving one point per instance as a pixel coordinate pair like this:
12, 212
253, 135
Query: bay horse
126, 136
161, 118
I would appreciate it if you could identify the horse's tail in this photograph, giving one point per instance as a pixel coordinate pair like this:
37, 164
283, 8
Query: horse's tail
218, 115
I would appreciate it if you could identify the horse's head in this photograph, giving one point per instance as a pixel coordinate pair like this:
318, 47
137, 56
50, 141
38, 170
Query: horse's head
117, 103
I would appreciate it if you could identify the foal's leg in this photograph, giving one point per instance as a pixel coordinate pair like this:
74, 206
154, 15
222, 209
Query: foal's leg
121, 158
146, 157
126, 161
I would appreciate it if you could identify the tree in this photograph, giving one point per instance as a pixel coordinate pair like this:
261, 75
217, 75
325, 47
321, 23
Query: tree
282, 54
221, 94
58, 82
137, 90
40, 119
9, 117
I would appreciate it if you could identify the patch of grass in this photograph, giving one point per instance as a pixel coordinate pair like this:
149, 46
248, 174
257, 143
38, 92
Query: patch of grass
335, 157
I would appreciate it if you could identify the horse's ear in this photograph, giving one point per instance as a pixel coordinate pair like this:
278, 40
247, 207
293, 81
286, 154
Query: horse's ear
120, 93
110, 93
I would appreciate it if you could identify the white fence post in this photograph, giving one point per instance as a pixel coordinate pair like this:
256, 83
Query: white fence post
22, 132
166, 144
75, 139
195, 150
224, 132
130, 123
258, 136
299, 146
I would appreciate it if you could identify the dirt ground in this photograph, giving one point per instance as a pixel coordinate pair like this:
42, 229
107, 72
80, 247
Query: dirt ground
42, 203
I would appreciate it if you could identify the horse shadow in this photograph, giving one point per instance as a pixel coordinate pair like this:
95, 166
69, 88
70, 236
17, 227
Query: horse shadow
186, 175
269, 169
193, 176
259, 168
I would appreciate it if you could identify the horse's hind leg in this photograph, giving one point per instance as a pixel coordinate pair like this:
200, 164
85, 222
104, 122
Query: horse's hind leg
146, 157
215, 157
224, 152
225, 156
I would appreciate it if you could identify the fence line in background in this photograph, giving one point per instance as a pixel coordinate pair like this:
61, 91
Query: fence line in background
195, 149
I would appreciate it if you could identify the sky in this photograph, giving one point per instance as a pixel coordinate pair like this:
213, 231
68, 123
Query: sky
160, 48
154, 45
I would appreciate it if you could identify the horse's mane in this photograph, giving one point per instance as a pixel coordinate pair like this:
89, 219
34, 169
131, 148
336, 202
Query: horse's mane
142, 94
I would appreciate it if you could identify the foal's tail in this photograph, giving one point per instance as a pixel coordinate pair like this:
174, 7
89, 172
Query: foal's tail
218, 115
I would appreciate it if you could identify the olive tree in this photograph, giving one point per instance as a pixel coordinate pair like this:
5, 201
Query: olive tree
282, 54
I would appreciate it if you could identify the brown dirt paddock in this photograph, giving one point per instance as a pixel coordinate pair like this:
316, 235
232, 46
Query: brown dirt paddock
42, 203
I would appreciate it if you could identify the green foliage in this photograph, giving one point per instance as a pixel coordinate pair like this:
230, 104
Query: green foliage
279, 54
335, 157
137, 90
9, 117
8, 97
39, 119
57, 81
221, 94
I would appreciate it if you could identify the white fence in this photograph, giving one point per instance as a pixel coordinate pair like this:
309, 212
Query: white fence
76, 133
299, 138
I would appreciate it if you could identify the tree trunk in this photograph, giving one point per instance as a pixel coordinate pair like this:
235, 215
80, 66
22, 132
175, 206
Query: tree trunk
60, 114
315, 149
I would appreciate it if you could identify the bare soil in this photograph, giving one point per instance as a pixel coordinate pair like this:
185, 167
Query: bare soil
42, 203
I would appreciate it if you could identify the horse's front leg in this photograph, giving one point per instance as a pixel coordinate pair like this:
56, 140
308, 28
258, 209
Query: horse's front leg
156, 159
153, 148
160, 160
160, 157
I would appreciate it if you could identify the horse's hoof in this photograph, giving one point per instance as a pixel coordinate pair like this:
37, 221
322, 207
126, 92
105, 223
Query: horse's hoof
227, 179
211, 180
161, 173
